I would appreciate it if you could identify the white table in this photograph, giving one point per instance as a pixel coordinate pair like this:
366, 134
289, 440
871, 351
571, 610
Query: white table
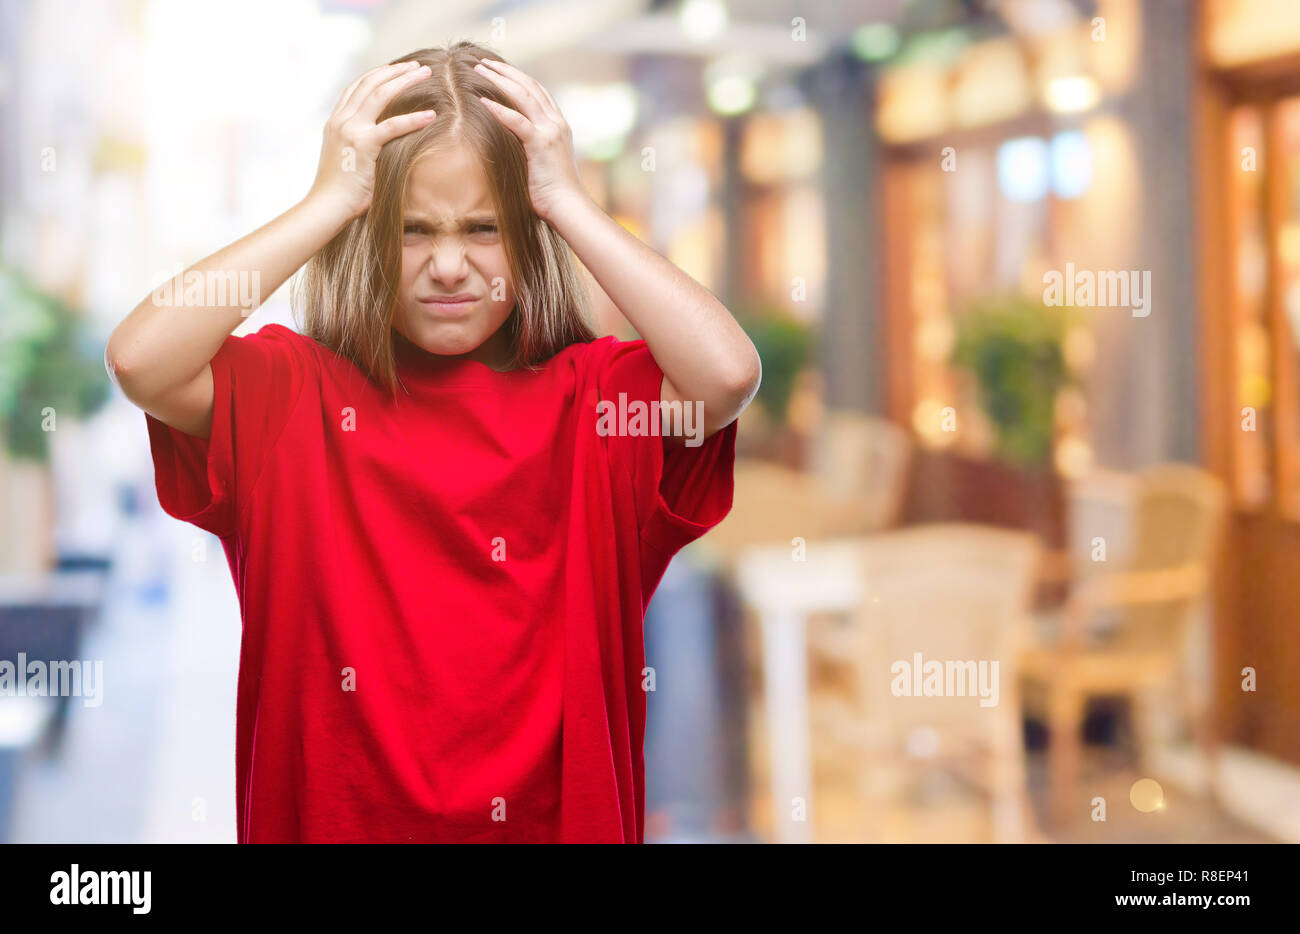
783, 592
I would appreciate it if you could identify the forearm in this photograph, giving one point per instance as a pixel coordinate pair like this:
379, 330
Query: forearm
699, 346
179, 327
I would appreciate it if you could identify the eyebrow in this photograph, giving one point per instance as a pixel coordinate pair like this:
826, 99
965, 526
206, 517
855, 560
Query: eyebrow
467, 221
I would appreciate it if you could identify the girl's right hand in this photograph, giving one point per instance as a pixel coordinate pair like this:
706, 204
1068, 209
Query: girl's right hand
346, 176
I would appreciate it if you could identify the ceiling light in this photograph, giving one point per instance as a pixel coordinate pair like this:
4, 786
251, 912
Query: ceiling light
702, 20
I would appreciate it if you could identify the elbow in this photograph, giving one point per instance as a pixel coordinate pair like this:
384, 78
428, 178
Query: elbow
115, 361
744, 380
735, 391
121, 368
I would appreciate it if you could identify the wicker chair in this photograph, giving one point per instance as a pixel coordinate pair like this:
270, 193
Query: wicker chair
953, 592
1125, 632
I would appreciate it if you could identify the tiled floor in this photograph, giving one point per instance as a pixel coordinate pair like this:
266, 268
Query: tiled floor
949, 813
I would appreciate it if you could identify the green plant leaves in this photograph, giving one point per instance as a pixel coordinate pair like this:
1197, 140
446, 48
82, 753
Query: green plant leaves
1014, 349
783, 346
47, 359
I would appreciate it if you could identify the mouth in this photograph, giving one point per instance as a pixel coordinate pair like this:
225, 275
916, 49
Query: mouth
449, 304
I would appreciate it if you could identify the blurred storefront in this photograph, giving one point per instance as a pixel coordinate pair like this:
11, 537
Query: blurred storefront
1249, 109
1003, 160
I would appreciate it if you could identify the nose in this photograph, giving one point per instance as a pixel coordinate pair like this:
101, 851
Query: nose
447, 261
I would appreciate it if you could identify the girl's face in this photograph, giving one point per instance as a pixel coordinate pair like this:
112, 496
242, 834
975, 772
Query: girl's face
452, 248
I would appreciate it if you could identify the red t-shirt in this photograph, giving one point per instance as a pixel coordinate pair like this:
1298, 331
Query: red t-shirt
442, 595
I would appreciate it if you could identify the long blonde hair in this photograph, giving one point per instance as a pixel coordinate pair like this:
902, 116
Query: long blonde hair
348, 291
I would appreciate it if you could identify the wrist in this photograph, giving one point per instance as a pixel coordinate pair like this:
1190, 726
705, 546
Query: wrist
330, 209
570, 206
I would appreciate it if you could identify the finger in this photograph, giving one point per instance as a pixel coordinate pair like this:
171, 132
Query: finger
537, 89
519, 95
518, 85
347, 92
514, 121
369, 82
402, 124
365, 93
347, 102
378, 98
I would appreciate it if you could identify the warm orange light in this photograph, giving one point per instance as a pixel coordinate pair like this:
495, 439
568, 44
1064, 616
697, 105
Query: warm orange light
1070, 94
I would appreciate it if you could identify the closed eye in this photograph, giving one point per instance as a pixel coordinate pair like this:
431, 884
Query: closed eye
476, 228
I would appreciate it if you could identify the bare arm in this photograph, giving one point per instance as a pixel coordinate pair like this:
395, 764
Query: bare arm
704, 354
161, 352
159, 355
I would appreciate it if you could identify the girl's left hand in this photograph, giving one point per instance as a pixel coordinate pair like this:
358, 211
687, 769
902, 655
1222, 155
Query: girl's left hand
547, 138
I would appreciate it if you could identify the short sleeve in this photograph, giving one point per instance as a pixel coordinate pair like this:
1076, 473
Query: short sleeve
681, 491
256, 381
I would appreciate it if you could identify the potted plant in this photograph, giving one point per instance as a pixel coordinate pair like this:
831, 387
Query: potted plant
1013, 348
784, 345
51, 368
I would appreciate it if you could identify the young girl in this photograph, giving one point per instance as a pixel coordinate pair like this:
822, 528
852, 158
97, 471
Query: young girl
445, 504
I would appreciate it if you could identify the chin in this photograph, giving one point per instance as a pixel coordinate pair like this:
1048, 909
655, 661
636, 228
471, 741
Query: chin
447, 340
453, 336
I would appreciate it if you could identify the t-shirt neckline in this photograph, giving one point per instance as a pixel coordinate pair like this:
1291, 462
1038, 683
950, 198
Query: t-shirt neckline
409, 358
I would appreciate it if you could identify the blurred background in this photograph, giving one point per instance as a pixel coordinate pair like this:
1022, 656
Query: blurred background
1011, 551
